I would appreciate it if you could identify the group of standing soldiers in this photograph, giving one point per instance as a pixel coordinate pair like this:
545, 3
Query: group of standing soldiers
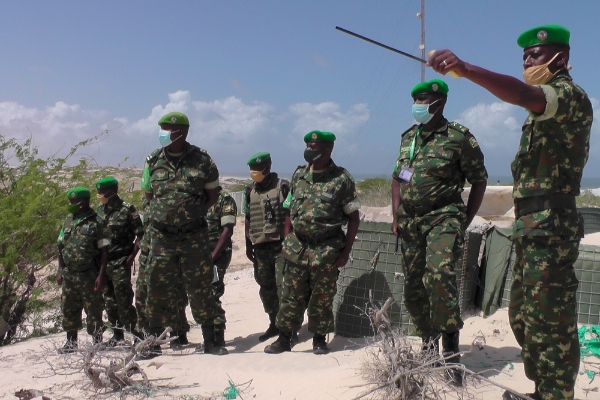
294, 234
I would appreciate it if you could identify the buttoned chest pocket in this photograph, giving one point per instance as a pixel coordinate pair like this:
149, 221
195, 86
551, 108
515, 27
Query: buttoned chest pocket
88, 230
439, 163
191, 179
328, 199
159, 180
118, 227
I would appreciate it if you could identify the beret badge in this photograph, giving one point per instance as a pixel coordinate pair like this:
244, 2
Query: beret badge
314, 136
542, 35
434, 87
173, 120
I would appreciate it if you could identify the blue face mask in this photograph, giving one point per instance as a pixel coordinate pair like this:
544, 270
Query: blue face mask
164, 137
421, 112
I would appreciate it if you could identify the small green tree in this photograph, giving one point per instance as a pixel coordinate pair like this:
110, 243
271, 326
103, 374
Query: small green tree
32, 208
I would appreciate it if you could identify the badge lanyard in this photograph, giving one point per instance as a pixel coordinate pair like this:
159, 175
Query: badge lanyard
412, 154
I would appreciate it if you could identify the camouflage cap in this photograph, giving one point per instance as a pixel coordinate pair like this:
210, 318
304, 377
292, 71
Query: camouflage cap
433, 86
318, 136
259, 158
78, 193
106, 182
545, 34
174, 118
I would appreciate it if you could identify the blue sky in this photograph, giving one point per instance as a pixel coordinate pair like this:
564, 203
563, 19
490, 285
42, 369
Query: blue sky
257, 75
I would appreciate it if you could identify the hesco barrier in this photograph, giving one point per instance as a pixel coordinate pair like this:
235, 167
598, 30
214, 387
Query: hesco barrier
591, 219
375, 268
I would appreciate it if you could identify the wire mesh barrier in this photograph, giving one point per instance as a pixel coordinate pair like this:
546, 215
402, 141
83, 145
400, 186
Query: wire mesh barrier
591, 219
375, 268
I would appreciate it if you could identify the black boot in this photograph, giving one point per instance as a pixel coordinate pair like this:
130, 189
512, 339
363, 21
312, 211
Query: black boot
117, 337
210, 345
294, 339
70, 345
271, 331
320, 344
281, 344
151, 351
451, 349
220, 335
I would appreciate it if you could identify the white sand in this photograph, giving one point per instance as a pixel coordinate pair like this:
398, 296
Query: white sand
296, 375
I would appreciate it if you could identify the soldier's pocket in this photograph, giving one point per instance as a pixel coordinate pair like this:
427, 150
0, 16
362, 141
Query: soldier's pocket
439, 163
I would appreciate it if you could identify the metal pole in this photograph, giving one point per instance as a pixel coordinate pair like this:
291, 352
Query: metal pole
423, 39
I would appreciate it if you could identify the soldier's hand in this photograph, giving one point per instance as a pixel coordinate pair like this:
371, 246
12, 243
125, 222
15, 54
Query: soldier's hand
444, 61
395, 228
341, 261
59, 279
99, 283
250, 254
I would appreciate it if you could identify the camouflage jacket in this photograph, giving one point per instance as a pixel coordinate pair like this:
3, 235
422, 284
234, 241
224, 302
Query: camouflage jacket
82, 238
222, 213
145, 242
553, 150
178, 184
442, 161
320, 202
122, 223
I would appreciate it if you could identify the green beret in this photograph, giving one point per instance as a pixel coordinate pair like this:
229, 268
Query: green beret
318, 136
174, 118
545, 34
78, 193
433, 86
106, 182
259, 158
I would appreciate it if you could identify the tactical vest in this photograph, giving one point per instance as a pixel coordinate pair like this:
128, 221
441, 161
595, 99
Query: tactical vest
267, 216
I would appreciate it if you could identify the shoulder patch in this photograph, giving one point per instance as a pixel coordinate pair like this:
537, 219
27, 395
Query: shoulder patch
408, 130
458, 127
473, 142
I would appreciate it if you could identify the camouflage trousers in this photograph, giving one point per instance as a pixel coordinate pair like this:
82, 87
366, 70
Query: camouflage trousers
267, 273
430, 254
78, 294
118, 295
180, 267
222, 263
310, 288
543, 312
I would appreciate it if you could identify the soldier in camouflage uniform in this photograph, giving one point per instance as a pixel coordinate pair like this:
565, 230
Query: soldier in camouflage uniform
221, 219
124, 227
321, 201
547, 173
181, 182
264, 231
83, 255
435, 159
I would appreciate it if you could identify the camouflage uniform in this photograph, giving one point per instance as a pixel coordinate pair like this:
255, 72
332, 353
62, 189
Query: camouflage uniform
266, 234
179, 252
319, 204
82, 238
141, 291
123, 224
222, 213
431, 220
547, 173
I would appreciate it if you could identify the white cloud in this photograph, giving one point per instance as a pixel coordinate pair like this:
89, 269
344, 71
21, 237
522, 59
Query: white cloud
494, 125
328, 116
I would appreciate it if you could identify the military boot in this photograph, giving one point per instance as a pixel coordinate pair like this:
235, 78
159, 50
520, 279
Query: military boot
282, 344
70, 345
210, 345
320, 344
117, 337
451, 349
271, 331
294, 339
220, 335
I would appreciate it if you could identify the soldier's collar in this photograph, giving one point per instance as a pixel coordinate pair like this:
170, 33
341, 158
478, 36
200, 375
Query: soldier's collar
114, 204
442, 126
80, 217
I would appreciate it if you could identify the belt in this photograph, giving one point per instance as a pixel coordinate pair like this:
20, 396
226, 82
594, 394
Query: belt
528, 205
422, 209
318, 239
267, 244
188, 228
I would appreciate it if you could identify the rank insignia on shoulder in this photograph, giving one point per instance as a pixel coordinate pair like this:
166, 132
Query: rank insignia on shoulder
473, 142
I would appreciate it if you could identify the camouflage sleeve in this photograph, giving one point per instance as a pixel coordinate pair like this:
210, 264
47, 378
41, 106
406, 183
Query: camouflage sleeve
471, 160
228, 210
136, 221
103, 238
245, 205
212, 175
350, 200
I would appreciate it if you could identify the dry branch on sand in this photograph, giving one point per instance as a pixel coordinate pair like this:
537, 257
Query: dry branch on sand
400, 368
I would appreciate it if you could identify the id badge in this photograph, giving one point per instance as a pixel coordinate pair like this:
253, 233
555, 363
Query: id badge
406, 174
